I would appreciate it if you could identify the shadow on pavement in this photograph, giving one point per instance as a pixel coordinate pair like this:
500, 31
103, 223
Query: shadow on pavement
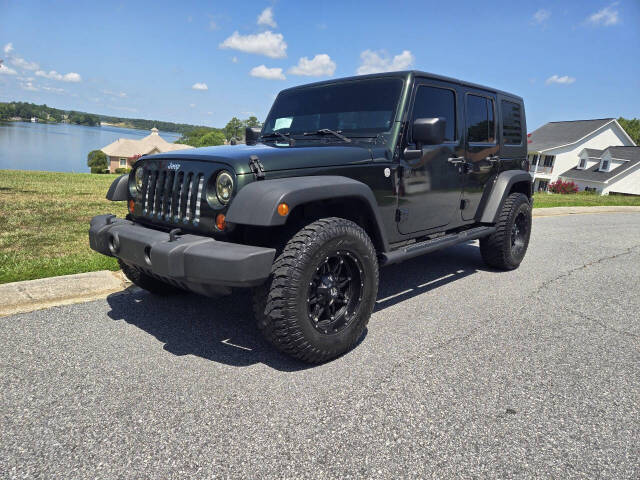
223, 330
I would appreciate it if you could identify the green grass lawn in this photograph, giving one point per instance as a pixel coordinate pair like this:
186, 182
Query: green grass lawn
582, 199
44, 221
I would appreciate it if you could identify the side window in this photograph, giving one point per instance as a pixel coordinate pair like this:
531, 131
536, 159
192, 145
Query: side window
481, 125
434, 102
511, 123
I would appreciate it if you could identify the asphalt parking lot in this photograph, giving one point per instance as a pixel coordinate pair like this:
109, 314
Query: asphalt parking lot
463, 372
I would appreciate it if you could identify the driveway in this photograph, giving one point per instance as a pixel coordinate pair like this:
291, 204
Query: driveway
463, 372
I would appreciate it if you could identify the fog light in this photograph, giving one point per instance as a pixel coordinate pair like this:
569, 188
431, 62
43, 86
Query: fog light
132, 205
221, 221
283, 209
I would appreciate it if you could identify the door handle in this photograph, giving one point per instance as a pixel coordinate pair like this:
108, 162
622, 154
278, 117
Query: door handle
455, 160
493, 158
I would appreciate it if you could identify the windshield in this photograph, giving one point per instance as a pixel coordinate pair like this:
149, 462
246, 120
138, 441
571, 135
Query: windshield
356, 107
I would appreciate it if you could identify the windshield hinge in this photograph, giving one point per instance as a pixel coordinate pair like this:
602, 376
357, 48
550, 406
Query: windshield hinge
256, 167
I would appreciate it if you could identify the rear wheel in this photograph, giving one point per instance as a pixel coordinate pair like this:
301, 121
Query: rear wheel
322, 290
506, 247
145, 281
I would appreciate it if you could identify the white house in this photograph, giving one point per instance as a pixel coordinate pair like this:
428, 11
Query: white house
555, 147
123, 152
612, 170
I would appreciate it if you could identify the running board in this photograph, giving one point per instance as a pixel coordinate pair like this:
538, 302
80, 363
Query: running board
416, 249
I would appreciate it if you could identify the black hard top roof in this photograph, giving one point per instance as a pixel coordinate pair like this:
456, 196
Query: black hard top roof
406, 74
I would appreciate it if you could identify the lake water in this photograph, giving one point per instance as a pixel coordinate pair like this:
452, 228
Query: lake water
58, 147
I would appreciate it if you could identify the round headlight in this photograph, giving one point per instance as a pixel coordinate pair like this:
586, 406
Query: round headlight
224, 187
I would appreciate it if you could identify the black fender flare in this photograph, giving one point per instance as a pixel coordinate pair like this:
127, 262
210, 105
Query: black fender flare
501, 188
118, 190
256, 204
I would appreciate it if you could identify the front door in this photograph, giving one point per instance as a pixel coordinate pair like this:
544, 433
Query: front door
481, 155
430, 186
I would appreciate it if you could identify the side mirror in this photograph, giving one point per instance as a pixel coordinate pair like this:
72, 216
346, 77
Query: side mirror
251, 135
429, 131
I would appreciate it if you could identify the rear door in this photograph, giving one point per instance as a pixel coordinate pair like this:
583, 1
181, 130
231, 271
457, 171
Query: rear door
482, 148
430, 187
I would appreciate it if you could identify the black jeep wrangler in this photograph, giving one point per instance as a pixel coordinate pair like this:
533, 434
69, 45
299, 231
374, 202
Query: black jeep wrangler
344, 176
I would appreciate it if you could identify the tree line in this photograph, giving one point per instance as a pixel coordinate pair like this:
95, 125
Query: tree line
208, 137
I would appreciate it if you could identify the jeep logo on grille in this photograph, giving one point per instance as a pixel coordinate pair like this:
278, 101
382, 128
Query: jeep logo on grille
173, 166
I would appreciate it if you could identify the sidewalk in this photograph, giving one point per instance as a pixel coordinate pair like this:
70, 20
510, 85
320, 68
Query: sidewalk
556, 211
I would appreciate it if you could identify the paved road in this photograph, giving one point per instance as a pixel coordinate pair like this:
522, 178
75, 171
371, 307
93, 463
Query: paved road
463, 373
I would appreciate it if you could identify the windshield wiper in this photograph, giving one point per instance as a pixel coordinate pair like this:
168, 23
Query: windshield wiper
287, 136
326, 131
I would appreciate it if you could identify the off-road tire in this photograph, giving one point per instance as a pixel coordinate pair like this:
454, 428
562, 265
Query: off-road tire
499, 249
281, 305
145, 281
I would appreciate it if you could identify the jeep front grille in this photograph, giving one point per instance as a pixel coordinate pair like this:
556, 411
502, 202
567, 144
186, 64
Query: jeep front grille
172, 197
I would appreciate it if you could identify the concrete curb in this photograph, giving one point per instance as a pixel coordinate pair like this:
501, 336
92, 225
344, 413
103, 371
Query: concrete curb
21, 297
557, 211
30, 295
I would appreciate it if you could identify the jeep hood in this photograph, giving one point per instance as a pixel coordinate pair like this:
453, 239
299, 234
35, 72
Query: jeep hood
274, 157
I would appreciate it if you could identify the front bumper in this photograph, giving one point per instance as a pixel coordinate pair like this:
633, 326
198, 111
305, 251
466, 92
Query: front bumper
193, 262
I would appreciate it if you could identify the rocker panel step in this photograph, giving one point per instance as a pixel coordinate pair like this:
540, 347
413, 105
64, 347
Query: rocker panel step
417, 249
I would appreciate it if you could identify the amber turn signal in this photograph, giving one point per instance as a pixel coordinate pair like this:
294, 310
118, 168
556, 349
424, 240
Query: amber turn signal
221, 221
132, 204
283, 209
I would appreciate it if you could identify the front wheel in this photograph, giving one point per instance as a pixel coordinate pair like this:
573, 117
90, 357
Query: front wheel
506, 247
322, 290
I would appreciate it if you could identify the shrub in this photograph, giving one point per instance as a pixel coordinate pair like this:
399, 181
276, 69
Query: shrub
99, 170
97, 159
123, 170
563, 187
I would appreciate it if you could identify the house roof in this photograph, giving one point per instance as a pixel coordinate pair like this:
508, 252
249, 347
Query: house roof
631, 154
593, 153
127, 147
556, 134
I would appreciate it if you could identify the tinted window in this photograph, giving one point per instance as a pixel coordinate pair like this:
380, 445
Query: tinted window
434, 102
358, 106
480, 122
511, 123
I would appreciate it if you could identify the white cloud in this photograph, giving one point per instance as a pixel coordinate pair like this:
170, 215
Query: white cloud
199, 86
564, 80
234, 59
8, 48
375, 62
115, 94
53, 75
22, 63
213, 25
4, 70
262, 71
607, 16
266, 43
266, 18
318, 66
541, 16
192, 105
53, 89
29, 86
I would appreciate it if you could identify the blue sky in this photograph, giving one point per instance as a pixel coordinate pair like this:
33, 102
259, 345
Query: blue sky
204, 62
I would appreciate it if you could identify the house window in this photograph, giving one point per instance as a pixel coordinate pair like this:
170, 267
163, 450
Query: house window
123, 163
511, 123
605, 165
583, 163
590, 189
480, 121
542, 185
548, 160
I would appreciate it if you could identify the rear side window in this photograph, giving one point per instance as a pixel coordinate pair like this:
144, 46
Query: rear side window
511, 123
481, 125
434, 102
